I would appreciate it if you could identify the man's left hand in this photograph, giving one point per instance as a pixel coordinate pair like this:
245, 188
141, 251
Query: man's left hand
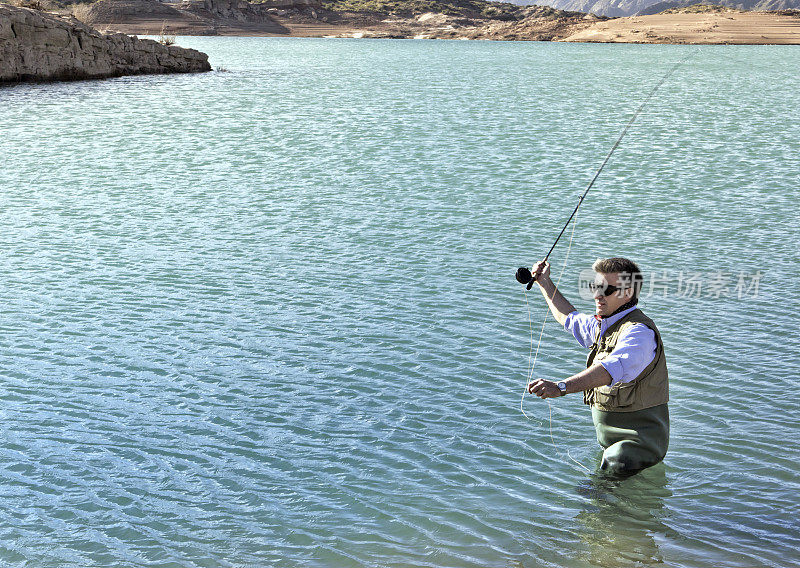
544, 389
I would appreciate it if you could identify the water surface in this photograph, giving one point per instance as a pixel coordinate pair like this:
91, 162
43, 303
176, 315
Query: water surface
267, 317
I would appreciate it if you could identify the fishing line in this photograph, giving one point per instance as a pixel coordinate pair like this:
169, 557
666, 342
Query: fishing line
532, 361
532, 364
524, 275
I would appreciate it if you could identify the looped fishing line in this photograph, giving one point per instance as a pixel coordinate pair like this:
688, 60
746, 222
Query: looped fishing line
532, 358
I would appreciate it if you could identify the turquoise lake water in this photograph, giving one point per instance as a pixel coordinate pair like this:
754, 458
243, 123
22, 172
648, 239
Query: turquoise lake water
268, 316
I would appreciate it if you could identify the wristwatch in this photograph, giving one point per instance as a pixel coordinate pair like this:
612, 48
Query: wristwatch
562, 386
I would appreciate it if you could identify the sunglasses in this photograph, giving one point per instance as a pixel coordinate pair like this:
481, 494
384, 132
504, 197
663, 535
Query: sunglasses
604, 289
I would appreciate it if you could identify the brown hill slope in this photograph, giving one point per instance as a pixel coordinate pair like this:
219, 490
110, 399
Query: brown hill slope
397, 19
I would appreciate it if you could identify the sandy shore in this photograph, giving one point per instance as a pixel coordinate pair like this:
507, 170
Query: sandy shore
703, 28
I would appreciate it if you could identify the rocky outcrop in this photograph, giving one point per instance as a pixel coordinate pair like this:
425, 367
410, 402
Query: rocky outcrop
257, 11
188, 17
530, 23
35, 46
313, 18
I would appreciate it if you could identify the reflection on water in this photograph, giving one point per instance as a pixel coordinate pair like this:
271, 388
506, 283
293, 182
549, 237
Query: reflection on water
620, 518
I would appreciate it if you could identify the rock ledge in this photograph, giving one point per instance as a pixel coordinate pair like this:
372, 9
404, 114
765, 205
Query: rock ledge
36, 46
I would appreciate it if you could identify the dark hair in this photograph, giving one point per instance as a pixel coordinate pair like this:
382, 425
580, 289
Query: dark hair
624, 267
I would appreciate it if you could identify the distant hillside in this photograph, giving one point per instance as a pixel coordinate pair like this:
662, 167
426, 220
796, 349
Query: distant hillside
684, 5
619, 8
466, 8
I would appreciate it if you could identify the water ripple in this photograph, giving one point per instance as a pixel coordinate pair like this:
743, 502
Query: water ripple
268, 317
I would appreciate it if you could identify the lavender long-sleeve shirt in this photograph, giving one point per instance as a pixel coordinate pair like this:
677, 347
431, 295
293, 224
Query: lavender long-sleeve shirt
635, 349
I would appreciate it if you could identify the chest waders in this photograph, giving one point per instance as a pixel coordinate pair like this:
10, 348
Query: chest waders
631, 419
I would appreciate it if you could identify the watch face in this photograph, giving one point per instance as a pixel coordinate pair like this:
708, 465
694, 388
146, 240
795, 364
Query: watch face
562, 386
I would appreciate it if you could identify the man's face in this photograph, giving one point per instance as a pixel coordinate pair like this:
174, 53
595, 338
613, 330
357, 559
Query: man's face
605, 305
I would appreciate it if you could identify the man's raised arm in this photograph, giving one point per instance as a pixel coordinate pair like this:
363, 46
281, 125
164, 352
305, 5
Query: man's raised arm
558, 304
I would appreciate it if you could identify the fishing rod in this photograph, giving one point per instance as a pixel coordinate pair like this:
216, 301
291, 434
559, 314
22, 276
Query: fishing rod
523, 274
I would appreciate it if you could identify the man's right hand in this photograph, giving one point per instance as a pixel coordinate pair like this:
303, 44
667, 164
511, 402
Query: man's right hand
557, 303
541, 271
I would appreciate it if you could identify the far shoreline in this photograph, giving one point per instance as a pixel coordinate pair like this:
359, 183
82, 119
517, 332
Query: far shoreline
703, 28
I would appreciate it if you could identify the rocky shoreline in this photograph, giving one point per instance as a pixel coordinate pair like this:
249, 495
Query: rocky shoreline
310, 18
701, 24
37, 46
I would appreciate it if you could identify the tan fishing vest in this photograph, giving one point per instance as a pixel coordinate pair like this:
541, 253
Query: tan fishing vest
649, 389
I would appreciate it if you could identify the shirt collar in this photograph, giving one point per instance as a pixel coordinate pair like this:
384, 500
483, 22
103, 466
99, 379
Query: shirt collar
609, 321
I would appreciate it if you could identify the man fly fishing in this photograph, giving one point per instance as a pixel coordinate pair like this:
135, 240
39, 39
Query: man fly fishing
625, 380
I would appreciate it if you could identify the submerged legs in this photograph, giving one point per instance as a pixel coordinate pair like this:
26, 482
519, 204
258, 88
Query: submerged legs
633, 441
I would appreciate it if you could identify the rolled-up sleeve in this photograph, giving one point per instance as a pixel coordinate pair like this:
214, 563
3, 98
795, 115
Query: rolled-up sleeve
635, 350
582, 326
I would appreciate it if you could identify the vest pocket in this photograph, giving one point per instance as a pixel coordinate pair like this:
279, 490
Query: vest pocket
618, 396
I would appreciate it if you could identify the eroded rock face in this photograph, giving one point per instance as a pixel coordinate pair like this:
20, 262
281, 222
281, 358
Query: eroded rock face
246, 11
35, 46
